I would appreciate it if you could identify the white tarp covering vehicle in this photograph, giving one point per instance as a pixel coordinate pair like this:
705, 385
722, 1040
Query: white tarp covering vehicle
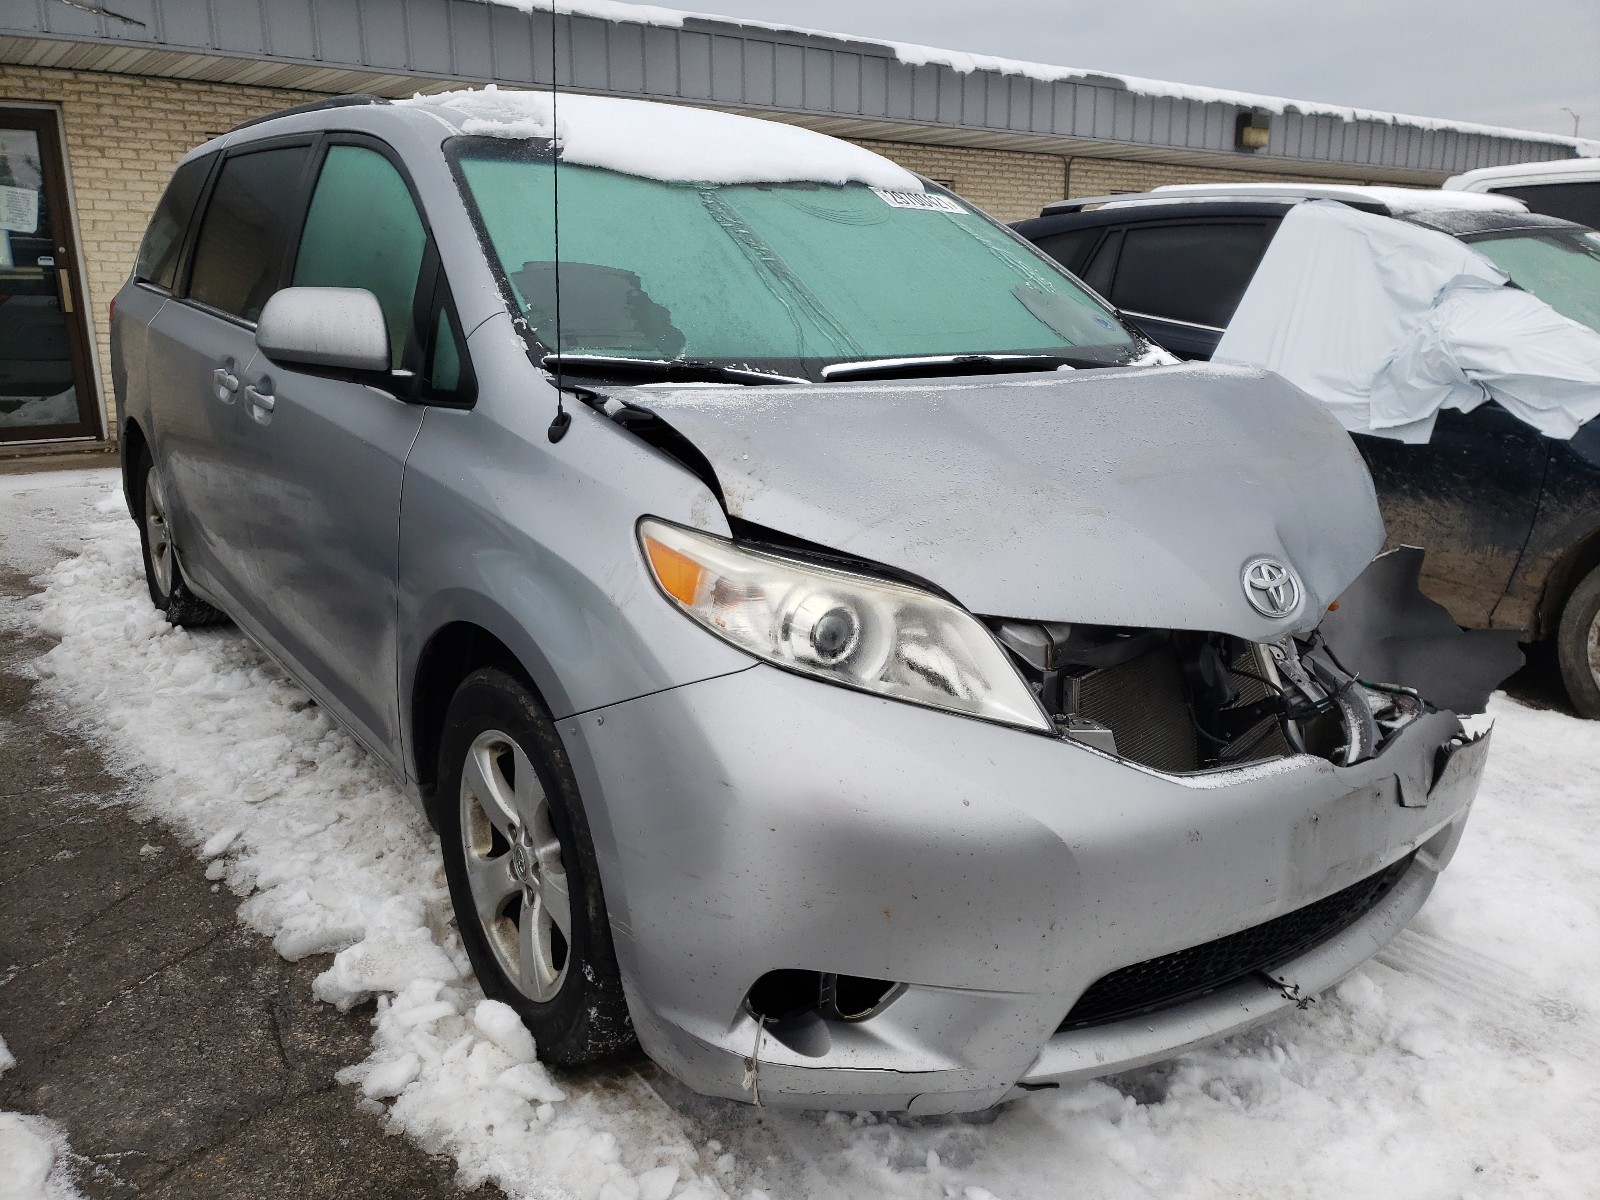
1389, 323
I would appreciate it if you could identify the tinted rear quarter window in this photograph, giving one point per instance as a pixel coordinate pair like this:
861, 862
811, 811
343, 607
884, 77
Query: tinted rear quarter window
239, 254
1578, 201
1070, 249
1191, 272
163, 240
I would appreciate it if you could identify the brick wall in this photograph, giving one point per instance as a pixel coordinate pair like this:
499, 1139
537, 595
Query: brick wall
1012, 185
1004, 183
1104, 176
124, 134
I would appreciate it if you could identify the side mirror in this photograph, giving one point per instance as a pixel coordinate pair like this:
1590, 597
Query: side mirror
339, 329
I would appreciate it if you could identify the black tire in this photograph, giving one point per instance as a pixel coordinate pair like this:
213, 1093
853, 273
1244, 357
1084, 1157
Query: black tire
585, 1019
169, 591
1576, 648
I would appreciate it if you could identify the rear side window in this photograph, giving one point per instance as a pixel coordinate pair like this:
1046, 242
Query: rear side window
363, 231
163, 240
1195, 273
1578, 201
1070, 249
239, 254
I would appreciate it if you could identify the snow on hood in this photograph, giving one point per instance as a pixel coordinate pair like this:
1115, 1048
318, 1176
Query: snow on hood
1113, 497
668, 141
1388, 324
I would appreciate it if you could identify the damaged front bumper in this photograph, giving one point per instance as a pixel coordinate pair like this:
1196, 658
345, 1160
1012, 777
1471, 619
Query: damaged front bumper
759, 823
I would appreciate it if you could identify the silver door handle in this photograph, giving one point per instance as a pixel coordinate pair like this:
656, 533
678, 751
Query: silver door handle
262, 400
225, 381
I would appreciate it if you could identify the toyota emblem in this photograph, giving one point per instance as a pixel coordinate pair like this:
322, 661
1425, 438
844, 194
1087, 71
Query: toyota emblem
1272, 588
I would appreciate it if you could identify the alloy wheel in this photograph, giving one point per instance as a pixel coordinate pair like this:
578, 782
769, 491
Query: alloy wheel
157, 533
514, 866
1594, 649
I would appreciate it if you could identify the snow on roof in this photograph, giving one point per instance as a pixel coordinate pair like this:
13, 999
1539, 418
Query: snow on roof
1395, 199
1553, 172
668, 141
957, 60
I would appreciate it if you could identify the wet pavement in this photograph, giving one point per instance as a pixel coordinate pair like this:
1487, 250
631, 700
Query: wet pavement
184, 1057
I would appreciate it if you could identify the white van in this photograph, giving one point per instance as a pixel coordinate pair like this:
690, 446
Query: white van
1567, 188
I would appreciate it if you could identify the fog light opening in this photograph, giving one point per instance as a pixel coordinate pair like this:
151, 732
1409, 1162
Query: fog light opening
852, 998
784, 995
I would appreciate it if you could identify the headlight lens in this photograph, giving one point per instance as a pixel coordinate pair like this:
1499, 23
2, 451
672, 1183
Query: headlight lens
849, 629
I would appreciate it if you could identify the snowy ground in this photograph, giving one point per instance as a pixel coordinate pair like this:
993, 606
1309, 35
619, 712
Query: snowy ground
1461, 1063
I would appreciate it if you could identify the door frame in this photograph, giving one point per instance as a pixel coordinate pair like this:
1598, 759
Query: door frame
46, 122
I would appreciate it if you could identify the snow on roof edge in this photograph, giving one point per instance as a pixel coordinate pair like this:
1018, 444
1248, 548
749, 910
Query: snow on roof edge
966, 63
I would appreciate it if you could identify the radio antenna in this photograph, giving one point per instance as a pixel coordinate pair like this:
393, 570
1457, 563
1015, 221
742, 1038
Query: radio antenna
563, 419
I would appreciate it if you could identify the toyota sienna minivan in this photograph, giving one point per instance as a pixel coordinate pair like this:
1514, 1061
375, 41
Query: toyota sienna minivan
834, 649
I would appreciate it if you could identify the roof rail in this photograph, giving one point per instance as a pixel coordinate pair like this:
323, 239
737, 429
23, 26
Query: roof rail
1056, 207
314, 106
1367, 199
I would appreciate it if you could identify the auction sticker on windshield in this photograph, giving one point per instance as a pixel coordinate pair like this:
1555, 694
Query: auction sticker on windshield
920, 200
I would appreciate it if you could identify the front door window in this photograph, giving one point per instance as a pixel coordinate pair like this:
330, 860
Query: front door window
46, 382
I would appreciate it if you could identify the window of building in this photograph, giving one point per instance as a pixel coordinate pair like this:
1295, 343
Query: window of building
239, 254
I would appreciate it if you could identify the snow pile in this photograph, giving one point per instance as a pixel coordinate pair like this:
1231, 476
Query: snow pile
1460, 1063
327, 856
32, 1153
913, 54
668, 141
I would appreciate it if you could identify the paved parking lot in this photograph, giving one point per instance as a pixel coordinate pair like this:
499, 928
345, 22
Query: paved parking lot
183, 1055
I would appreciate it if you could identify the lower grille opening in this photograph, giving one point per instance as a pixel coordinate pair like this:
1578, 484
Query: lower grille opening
780, 996
1188, 974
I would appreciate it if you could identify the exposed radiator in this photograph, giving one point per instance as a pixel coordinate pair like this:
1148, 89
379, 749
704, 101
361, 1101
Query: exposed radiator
1142, 703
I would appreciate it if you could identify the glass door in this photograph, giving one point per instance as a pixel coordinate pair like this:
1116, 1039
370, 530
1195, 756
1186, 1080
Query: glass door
46, 381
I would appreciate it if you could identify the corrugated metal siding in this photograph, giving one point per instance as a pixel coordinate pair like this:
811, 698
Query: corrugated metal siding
730, 65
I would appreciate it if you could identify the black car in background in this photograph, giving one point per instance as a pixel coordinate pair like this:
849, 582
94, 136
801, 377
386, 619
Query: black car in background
1510, 519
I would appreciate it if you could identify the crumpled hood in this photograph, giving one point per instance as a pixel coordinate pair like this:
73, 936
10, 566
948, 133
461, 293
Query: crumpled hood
1113, 497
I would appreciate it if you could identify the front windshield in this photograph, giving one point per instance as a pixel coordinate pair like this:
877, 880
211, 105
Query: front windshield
785, 276
1562, 269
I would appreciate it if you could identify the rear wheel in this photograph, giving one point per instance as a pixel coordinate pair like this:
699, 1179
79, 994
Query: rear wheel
169, 592
522, 872
1578, 646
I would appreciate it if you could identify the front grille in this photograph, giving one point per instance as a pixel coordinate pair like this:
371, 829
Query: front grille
1184, 975
1143, 705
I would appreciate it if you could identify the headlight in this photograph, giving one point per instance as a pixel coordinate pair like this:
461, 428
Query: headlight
849, 629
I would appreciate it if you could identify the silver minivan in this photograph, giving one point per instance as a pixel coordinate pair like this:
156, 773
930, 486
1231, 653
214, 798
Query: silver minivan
834, 650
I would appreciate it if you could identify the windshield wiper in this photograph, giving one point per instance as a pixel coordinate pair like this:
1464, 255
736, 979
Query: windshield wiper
656, 370
949, 364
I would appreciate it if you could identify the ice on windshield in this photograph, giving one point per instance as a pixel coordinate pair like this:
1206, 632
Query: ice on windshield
756, 273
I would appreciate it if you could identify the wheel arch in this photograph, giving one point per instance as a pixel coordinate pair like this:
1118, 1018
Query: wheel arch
452, 651
1582, 557
133, 447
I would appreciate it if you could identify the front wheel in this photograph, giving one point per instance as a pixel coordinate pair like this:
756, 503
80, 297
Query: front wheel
169, 591
1578, 646
522, 872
